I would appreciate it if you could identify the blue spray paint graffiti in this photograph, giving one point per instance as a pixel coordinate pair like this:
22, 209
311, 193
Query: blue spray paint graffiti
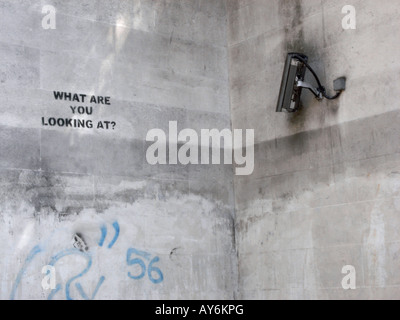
21, 273
103, 229
140, 260
150, 270
83, 294
54, 291
88, 256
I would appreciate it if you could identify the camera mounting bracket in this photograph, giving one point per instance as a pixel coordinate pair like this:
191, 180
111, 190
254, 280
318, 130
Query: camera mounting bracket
317, 93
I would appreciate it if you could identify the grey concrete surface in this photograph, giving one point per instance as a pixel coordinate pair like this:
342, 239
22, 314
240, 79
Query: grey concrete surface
324, 192
325, 188
158, 61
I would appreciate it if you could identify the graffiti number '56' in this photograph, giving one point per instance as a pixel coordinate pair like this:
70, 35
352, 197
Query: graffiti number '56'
151, 269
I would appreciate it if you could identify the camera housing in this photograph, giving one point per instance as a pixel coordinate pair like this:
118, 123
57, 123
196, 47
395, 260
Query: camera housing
289, 94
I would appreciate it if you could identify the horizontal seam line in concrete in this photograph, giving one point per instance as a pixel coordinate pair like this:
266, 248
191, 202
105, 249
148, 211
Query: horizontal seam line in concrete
282, 28
266, 213
320, 288
78, 54
360, 245
209, 43
335, 165
148, 67
271, 31
264, 33
129, 178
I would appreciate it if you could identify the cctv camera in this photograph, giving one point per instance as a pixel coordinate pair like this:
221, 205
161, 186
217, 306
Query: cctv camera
293, 83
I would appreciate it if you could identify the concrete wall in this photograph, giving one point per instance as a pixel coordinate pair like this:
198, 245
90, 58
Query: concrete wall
92, 189
324, 193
